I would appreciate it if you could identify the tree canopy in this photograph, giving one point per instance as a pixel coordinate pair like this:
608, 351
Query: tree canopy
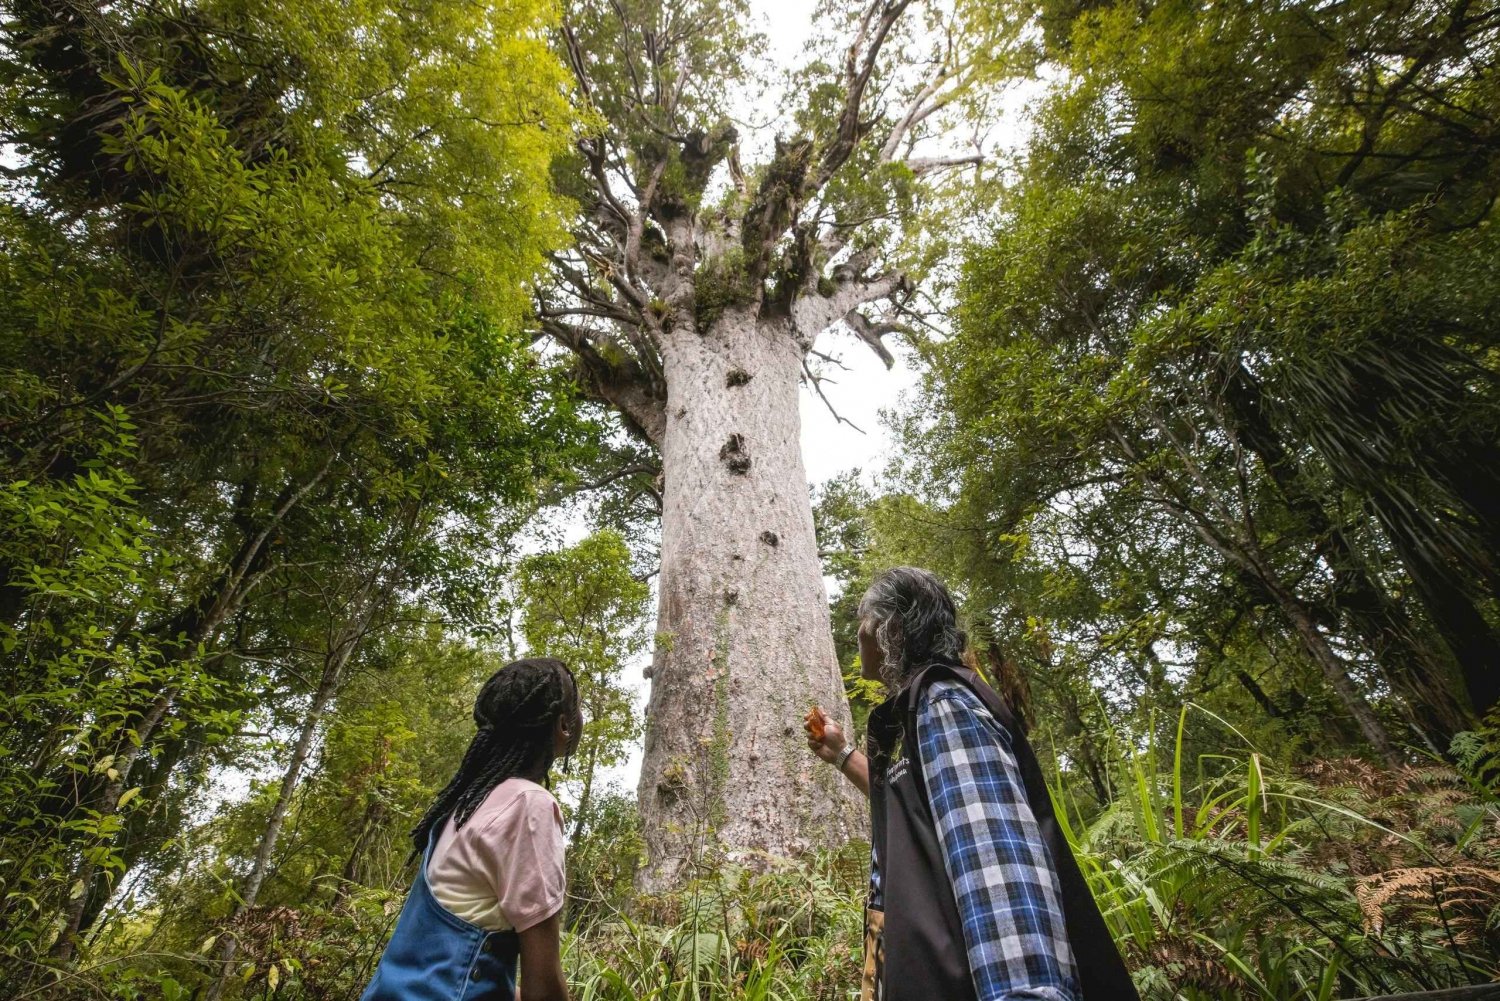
352, 350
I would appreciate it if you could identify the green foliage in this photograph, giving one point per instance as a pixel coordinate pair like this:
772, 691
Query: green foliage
1230, 874
584, 605
1199, 428
603, 859
1213, 441
263, 392
325, 909
720, 283
792, 932
1476, 755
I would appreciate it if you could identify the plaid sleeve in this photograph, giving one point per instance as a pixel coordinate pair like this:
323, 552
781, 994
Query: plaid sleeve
1003, 880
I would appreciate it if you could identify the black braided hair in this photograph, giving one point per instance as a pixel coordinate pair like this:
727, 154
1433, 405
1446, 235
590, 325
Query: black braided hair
515, 712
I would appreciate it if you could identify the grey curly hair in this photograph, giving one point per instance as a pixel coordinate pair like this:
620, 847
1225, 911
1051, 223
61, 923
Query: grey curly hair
915, 622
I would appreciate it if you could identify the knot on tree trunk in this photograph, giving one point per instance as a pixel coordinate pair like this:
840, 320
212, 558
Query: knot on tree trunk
734, 456
736, 377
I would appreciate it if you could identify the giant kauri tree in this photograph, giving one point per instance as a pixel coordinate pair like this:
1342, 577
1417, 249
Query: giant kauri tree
693, 300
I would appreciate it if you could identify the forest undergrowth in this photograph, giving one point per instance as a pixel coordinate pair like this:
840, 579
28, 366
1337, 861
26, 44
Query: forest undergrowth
1221, 875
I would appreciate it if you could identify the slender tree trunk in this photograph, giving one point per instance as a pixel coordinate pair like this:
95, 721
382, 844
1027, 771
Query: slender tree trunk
583, 797
1335, 669
1475, 642
1424, 680
328, 684
747, 646
1233, 535
1095, 766
374, 816
108, 803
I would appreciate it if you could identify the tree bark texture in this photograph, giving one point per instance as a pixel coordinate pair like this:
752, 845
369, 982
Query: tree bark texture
745, 645
693, 316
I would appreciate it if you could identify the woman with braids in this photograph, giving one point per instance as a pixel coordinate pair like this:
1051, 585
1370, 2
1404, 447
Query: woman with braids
489, 890
974, 892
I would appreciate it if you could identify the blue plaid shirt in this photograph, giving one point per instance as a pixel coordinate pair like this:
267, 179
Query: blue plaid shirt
1007, 891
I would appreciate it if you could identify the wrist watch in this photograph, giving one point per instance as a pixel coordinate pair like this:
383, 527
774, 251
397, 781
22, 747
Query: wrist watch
843, 757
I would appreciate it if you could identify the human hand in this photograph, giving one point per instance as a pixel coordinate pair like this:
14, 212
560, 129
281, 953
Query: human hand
825, 738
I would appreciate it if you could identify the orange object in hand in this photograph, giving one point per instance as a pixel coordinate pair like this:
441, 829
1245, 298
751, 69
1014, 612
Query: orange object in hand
815, 721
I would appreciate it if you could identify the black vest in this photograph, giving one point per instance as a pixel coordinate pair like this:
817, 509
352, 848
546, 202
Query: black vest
924, 953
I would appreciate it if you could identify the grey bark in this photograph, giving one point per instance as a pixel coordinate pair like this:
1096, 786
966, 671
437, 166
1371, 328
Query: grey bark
746, 645
328, 685
695, 324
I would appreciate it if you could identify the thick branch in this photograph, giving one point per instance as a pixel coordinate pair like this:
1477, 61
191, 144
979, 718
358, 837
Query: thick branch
850, 127
923, 166
799, 170
814, 313
623, 385
871, 332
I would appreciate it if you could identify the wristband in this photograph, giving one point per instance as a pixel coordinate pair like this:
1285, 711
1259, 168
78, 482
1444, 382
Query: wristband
843, 758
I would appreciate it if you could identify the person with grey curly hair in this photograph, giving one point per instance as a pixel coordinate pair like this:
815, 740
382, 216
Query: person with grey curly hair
913, 623
974, 891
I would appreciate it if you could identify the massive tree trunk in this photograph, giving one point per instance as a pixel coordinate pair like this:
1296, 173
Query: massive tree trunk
692, 309
746, 645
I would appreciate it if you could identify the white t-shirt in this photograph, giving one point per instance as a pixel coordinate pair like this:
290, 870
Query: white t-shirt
504, 868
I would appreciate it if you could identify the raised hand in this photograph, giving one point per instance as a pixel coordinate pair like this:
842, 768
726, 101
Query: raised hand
825, 738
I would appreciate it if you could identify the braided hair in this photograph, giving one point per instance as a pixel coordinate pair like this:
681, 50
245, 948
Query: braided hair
515, 712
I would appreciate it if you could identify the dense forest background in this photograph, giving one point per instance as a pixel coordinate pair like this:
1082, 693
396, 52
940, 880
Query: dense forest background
1208, 446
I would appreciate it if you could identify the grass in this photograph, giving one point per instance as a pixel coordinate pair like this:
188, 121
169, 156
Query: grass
1220, 874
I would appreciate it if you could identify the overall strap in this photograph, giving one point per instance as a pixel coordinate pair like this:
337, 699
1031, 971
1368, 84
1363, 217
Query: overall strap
432, 839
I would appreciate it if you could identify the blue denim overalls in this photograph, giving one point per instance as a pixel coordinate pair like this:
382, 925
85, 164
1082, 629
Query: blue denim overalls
434, 955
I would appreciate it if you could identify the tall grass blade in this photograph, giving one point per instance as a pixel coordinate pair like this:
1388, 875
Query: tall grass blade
1177, 774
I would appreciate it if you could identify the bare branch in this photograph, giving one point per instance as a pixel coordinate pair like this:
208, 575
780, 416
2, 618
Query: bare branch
830, 359
799, 170
870, 332
737, 173
932, 164
923, 105
634, 469
857, 76
816, 382
598, 312
638, 223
